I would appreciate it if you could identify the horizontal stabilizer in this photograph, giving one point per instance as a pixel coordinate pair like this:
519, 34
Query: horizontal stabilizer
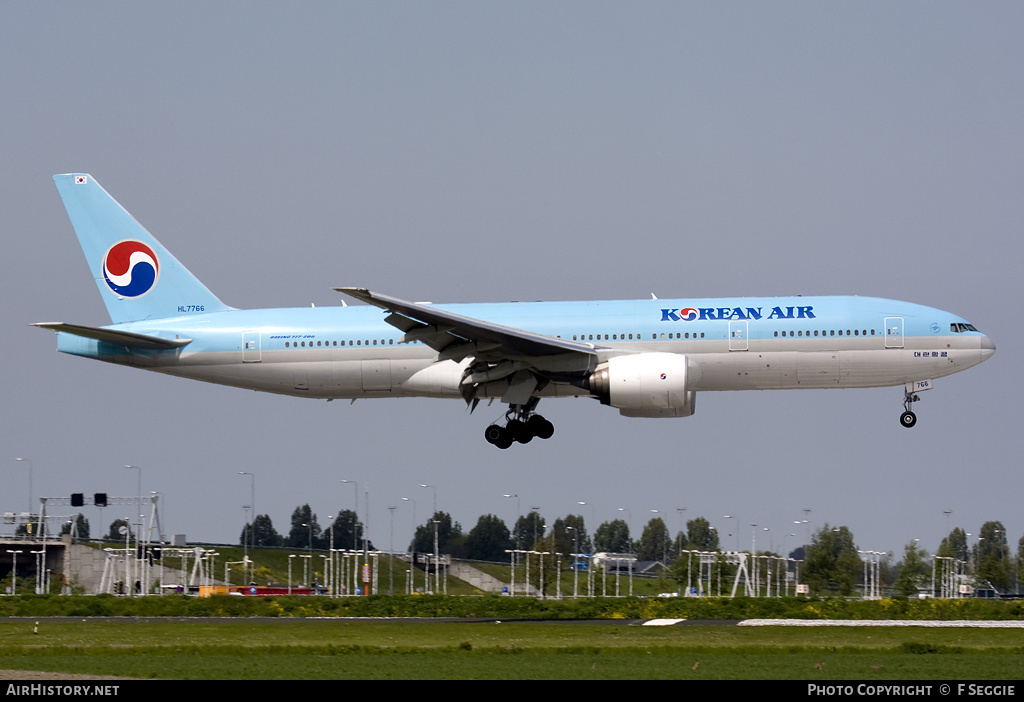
114, 336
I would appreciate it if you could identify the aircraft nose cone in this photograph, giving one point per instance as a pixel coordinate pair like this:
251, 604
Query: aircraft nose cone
988, 347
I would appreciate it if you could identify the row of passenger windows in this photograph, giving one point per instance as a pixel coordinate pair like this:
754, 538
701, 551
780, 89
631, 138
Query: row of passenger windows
624, 337
956, 327
357, 342
830, 332
695, 335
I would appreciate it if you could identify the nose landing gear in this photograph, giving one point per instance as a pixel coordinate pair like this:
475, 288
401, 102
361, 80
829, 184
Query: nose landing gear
908, 418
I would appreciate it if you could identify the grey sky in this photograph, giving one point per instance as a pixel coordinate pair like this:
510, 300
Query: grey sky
464, 151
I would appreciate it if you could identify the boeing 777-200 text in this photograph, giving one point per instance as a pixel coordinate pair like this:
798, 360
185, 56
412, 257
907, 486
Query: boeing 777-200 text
646, 358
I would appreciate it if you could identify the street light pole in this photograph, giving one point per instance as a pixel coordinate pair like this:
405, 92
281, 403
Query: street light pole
424, 485
736, 530
679, 541
753, 559
245, 541
138, 533
309, 543
575, 562
330, 551
437, 557
29, 461
355, 539
629, 514
14, 570
518, 545
252, 505
391, 553
664, 545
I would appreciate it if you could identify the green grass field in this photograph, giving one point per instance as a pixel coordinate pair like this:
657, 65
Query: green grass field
245, 649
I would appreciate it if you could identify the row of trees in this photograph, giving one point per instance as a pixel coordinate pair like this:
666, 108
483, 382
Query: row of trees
990, 557
344, 531
491, 538
830, 563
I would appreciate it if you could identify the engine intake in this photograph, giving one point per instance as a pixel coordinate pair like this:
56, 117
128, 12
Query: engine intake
645, 385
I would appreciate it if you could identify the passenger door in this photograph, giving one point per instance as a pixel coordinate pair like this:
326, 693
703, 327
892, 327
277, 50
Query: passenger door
894, 332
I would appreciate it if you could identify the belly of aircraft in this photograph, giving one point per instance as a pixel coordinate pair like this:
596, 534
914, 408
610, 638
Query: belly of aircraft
414, 373
847, 368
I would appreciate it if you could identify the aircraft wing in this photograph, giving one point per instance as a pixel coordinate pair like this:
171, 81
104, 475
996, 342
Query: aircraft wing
527, 359
456, 337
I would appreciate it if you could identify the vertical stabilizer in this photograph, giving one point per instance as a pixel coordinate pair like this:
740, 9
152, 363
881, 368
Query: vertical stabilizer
137, 277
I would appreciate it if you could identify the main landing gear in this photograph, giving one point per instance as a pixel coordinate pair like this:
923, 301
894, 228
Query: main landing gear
521, 425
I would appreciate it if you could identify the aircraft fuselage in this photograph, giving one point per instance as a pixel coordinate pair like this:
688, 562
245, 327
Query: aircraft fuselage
732, 344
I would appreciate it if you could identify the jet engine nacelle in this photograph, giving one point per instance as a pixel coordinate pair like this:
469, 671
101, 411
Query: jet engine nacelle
645, 385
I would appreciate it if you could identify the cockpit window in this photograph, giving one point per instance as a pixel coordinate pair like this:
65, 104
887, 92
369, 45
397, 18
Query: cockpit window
961, 327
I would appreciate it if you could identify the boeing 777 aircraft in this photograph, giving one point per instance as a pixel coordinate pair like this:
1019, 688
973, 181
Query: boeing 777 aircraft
646, 358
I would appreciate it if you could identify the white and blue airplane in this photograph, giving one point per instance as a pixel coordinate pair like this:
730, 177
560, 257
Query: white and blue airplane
646, 358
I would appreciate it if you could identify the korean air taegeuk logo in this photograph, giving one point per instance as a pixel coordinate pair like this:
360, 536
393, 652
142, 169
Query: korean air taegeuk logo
130, 268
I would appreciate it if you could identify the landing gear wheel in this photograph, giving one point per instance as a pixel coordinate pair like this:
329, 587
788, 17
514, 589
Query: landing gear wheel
493, 434
499, 436
908, 418
522, 425
540, 427
519, 431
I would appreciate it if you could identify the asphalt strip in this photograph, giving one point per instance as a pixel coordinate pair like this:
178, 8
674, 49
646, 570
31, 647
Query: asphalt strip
955, 623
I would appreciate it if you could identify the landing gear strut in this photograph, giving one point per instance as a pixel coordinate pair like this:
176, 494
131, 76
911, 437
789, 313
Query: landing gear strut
521, 424
908, 418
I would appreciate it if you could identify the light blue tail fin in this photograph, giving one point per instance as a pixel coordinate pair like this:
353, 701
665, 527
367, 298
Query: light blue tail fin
137, 277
